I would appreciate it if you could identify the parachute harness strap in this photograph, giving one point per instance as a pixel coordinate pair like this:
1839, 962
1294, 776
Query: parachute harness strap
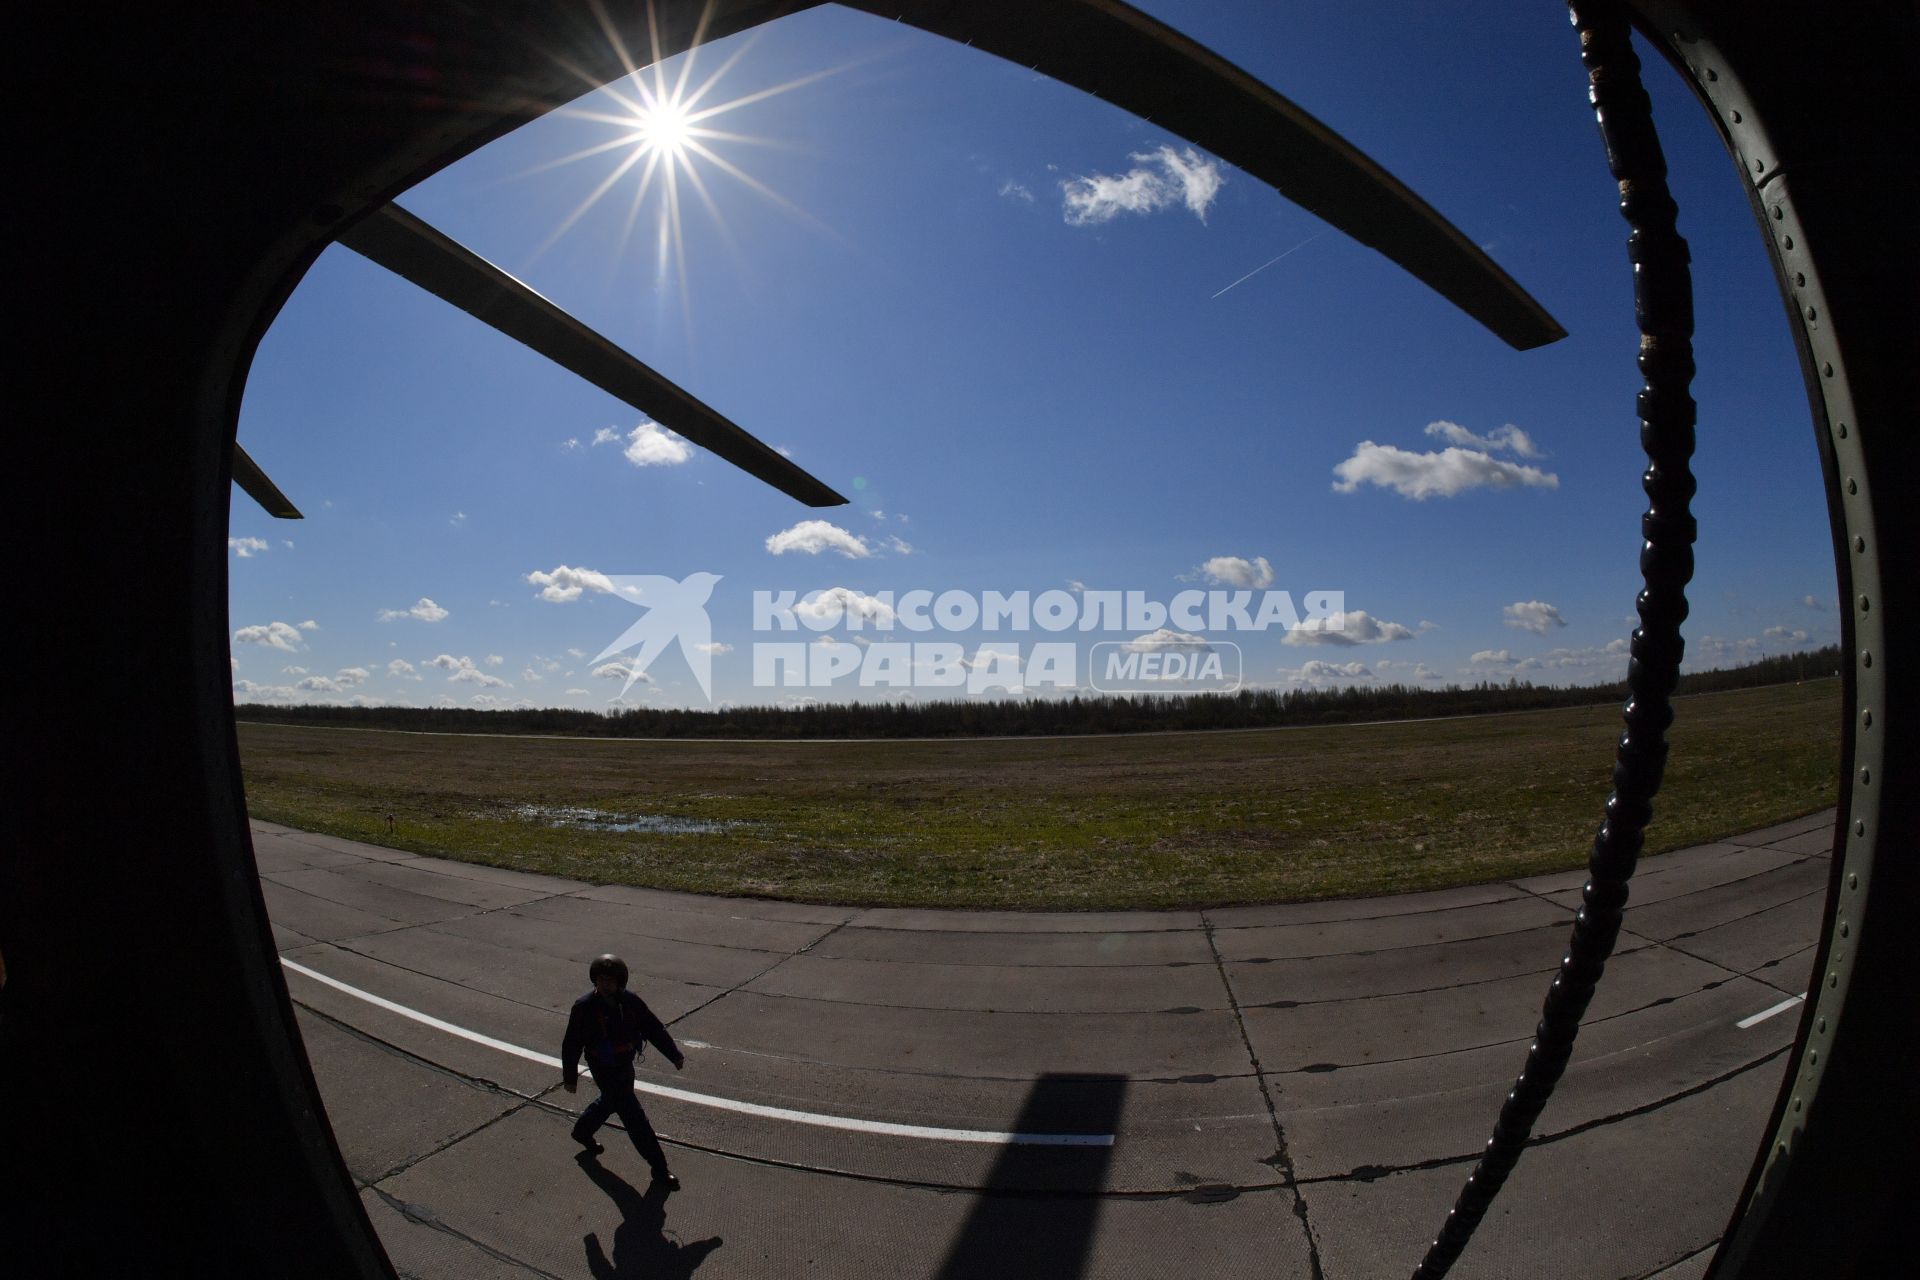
1663, 309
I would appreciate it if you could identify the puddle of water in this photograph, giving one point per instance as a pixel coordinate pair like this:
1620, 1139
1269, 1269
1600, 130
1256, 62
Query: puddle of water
600, 820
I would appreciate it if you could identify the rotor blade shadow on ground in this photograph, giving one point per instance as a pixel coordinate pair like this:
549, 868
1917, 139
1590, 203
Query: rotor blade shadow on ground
1037, 1213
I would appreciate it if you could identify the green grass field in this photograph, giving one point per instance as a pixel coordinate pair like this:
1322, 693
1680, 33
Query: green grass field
1065, 823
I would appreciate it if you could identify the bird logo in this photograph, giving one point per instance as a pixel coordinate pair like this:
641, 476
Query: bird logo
675, 611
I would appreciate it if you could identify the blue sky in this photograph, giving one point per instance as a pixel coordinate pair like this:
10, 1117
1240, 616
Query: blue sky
991, 308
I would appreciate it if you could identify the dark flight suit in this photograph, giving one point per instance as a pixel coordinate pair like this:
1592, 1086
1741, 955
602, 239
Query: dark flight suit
610, 1032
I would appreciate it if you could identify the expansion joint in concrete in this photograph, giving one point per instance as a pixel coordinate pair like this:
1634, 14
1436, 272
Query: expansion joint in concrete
398, 1051
431, 1223
1282, 1160
1753, 973
1374, 1172
515, 906
749, 981
342, 945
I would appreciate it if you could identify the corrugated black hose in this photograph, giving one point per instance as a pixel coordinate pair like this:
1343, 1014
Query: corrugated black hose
1663, 307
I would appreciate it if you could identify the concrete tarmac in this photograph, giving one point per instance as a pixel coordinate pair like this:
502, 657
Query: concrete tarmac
1248, 1091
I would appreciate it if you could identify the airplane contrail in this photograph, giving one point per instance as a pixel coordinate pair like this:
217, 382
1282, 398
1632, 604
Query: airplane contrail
1269, 262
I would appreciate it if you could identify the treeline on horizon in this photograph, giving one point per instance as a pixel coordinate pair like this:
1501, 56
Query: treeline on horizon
957, 718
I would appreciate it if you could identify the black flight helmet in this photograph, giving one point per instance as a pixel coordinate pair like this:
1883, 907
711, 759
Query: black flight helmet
611, 965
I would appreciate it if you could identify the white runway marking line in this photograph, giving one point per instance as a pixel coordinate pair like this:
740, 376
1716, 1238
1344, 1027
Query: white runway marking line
728, 1104
1764, 1014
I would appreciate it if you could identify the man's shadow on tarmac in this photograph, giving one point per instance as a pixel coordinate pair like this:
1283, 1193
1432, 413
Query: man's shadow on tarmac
641, 1249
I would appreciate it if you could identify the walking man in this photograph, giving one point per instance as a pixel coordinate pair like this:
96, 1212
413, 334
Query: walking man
609, 1023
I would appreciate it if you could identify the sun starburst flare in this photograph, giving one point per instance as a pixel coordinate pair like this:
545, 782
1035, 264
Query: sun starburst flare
663, 131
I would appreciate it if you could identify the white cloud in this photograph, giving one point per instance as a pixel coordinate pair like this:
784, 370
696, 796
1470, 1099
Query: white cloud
423, 609
275, 635
1424, 626
1565, 659
269, 692
1814, 603
459, 518
463, 671
1316, 670
606, 435
318, 684
835, 603
714, 648
350, 676
986, 658
1355, 626
563, 585
309, 625
1423, 475
815, 536
1160, 179
571, 442
577, 691
1016, 191
1232, 571
1721, 649
401, 669
618, 671
898, 545
246, 548
1076, 586
1492, 658
494, 660
1155, 641
1536, 616
1509, 438
1792, 635
652, 445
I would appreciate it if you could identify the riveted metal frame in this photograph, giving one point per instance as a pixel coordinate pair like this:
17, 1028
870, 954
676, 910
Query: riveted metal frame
1863, 636
1818, 333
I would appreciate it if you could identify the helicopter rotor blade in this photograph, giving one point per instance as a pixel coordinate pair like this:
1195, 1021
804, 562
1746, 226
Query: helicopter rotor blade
408, 247
1120, 55
255, 484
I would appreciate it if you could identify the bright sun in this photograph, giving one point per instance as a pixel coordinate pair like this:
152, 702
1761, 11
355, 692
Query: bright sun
663, 131
664, 127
